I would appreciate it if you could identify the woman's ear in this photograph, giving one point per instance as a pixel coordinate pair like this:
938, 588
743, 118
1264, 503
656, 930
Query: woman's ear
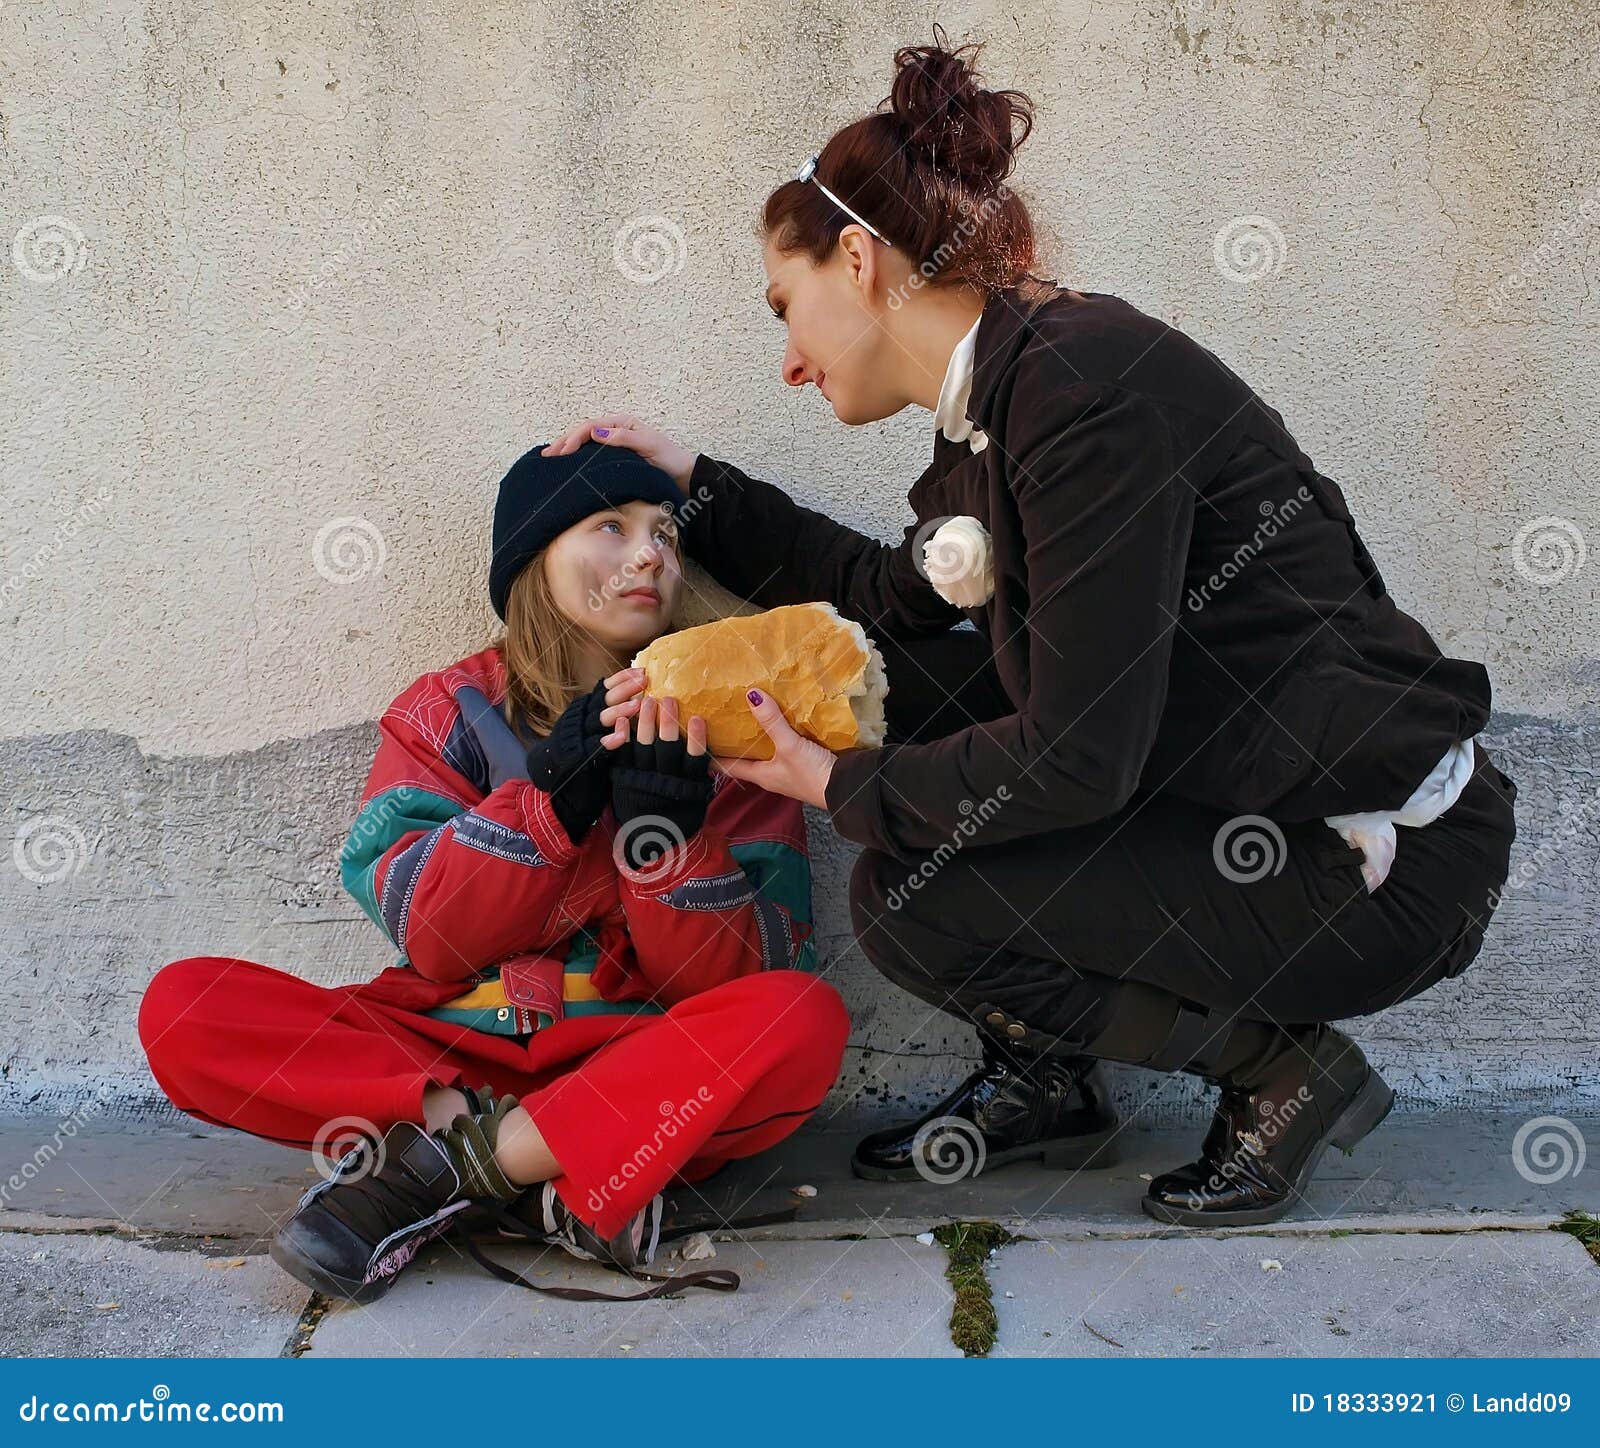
860, 255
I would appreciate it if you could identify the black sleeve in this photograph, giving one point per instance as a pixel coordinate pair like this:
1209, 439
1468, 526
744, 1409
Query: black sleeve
1107, 516
754, 539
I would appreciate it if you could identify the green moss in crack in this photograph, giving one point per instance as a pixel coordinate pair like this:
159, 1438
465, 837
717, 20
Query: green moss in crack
1585, 1227
973, 1323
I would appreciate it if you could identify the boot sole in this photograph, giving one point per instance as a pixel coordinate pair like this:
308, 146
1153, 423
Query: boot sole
1366, 1109
1062, 1153
312, 1274
306, 1270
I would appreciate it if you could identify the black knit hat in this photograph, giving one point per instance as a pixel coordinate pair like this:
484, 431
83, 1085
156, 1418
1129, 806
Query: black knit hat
543, 496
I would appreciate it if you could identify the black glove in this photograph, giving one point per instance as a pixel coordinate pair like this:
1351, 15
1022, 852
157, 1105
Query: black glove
666, 783
572, 766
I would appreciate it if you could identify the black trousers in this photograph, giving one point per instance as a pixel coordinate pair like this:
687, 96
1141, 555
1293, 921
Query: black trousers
1056, 935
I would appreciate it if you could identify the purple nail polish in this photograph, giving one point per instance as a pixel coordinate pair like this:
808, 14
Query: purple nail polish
754, 696
602, 432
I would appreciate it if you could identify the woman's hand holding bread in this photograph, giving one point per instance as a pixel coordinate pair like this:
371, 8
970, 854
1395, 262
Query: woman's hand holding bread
799, 767
780, 692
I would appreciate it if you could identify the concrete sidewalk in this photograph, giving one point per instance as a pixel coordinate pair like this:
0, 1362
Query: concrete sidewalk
142, 1239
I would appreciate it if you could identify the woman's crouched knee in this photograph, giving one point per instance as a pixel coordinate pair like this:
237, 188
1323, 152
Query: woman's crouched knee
882, 912
870, 902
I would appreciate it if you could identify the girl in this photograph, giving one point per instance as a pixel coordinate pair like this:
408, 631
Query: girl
601, 986
1145, 808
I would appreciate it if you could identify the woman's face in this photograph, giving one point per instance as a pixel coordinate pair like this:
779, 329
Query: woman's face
617, 574
836, 336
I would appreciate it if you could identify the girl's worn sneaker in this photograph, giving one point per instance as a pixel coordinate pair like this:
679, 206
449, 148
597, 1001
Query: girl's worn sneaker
632, 1247
352, 1233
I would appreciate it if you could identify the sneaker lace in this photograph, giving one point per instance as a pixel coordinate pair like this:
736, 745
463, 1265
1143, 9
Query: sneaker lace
560, 1224
560, 1227
371, 1202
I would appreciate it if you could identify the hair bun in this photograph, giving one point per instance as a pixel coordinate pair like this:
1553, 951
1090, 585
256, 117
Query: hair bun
939, 103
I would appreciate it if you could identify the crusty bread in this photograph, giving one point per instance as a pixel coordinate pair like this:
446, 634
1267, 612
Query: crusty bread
823, 670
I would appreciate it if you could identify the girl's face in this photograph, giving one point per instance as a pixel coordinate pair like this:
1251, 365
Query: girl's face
836, 337
617, 574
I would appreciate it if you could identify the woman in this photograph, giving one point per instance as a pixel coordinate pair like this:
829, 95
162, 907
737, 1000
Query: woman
598, 939
1145, 809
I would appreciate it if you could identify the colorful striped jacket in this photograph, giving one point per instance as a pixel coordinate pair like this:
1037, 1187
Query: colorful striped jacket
461, 862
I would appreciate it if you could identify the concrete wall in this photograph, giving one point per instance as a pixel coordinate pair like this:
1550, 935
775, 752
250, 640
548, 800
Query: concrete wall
279, 269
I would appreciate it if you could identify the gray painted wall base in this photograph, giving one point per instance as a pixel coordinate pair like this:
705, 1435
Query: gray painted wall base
238, 856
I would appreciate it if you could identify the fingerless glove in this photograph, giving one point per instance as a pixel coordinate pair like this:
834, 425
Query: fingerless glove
572, 765
661, 781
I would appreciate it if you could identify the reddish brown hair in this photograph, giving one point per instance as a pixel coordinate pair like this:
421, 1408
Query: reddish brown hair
928, 172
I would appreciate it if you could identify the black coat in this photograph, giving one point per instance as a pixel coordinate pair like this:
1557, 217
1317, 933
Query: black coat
1182, 602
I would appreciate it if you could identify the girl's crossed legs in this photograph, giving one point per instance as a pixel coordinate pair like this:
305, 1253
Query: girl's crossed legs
621, 1105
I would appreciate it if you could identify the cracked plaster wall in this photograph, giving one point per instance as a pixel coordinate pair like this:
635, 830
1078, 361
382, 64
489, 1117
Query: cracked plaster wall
347, 260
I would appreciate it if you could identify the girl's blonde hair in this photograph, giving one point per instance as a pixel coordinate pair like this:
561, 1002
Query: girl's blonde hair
540, 650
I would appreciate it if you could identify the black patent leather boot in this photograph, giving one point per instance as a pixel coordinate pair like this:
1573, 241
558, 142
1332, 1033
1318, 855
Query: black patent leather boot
1012, 1108
1307, 1088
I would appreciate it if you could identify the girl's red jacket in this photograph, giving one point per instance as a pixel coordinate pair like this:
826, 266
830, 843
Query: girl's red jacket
502, 923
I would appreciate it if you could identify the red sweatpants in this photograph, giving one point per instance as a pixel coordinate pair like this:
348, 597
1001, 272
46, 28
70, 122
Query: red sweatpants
626, 1103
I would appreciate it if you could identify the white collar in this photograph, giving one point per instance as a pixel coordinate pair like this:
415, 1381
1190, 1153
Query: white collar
950, 417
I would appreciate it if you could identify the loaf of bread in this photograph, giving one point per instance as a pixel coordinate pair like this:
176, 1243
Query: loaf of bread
824, 672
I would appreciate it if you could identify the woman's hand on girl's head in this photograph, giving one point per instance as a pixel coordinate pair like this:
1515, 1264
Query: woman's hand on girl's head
799, 768
619, 429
